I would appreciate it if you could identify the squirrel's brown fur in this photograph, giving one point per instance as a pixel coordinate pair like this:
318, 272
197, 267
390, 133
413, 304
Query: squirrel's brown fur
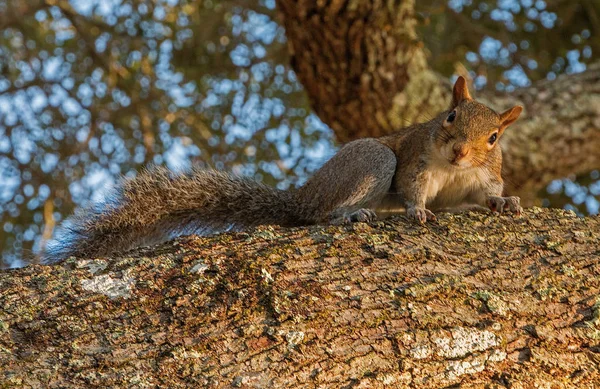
445, 162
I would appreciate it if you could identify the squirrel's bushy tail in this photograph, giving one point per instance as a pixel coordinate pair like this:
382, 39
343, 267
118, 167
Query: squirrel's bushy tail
158, 205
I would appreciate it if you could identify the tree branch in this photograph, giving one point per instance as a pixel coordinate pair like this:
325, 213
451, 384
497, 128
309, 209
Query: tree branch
558, 136
472, 300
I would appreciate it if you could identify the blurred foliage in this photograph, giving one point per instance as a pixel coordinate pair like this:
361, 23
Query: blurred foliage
510, 43
91, 89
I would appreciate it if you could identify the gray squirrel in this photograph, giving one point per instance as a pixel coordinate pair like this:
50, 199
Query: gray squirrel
451, 160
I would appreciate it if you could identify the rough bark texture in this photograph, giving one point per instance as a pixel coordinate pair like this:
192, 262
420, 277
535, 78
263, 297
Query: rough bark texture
471, 300
366, 74
361, 64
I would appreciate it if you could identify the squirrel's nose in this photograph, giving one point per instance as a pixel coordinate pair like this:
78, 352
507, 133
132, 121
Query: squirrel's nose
460, 150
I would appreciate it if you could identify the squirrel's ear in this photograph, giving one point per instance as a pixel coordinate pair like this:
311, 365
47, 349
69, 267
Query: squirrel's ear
460, 91
509, 116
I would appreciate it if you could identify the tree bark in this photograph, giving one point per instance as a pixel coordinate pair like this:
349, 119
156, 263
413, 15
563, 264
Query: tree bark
366, 74
471, 300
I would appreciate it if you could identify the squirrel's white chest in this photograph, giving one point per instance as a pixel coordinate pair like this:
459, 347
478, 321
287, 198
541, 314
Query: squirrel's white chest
449, 188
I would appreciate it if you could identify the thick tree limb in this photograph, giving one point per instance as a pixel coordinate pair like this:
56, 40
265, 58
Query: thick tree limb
559, 134
471, 300
366, 74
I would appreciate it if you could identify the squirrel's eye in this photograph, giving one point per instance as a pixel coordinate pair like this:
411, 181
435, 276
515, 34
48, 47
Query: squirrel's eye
493, 138
451, 117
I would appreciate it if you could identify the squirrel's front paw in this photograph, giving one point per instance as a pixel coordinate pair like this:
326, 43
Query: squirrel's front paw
500, 204
420, 214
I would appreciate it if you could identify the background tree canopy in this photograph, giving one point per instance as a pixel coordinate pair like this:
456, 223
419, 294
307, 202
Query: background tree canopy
91, 90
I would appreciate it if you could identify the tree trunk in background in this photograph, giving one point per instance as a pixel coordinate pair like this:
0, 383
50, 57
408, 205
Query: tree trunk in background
362, 65
471, 300
366, 74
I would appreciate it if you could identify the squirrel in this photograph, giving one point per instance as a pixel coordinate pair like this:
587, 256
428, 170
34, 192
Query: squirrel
451, 160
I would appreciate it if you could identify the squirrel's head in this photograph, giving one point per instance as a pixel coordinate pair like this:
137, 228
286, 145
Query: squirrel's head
470, 130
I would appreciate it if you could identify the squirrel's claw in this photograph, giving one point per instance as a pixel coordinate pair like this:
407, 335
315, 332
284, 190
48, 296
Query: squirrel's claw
499, 204
420, 214
361, 215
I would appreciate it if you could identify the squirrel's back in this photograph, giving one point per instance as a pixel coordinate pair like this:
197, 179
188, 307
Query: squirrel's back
158, 205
